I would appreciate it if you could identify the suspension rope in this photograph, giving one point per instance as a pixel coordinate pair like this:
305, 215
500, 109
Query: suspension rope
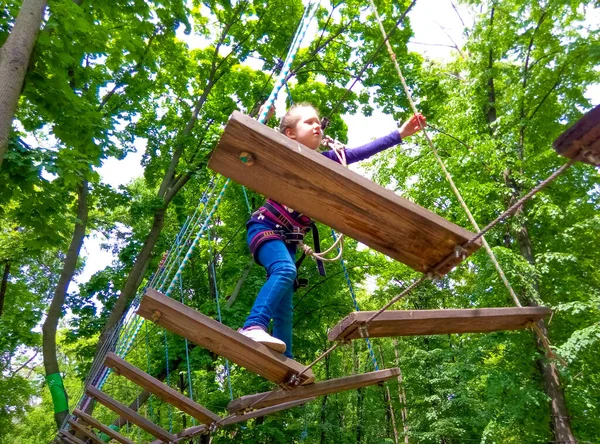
213, 275
510, 211
167, 378
148, 367
187, 353
356, 306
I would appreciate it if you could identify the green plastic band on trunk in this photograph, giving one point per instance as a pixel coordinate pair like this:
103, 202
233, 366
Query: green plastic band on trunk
57, 390
104, 437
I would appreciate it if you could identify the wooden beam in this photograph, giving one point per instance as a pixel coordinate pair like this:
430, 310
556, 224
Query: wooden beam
93, 422
218, 338
436, 322
87, 432
70, 438
161, 390
196, 430
260, 400
307, 181
131, 416
582, 137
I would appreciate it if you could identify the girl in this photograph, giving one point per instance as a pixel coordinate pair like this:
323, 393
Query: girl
274, 231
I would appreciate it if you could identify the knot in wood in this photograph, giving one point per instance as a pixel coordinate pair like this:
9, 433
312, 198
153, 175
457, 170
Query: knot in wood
156, 316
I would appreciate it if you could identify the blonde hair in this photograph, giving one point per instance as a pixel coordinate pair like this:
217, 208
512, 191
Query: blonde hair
291, 119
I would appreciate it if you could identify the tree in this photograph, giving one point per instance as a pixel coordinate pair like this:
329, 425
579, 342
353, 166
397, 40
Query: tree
14, 58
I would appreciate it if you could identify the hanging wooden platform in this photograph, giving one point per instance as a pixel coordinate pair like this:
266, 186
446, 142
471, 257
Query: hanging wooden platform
87, 432
93, 422
584, 136
222, 340
159, 389
260, 400
128, 413
196, 430
307, 181
436, 322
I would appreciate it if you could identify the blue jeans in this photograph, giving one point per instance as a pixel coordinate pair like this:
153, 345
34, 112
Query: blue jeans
274, 300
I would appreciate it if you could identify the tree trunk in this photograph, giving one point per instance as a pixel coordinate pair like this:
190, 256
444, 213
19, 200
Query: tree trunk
14, 58
401, 395
561, 422
49, 328
3, 285
134, 278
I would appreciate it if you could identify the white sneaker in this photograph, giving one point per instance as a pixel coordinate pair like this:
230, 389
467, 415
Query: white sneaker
261, 336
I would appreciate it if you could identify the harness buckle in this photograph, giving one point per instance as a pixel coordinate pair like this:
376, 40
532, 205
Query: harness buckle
294, 237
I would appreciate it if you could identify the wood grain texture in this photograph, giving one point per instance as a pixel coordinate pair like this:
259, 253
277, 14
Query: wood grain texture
307, 181
93, 422
196, 430
313, 390
131, 416
87, 432
583, 135
436, 322
222, 340
161, 390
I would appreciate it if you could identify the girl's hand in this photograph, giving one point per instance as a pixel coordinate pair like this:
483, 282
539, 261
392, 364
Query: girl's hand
412, 125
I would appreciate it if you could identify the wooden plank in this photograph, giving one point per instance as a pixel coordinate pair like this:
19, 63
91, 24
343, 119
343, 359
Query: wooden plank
584, 136
260, 400
436, 322
131, 416
161, 390
87, 432
70, 438
218, 338
93, 422
307, 181
196, 430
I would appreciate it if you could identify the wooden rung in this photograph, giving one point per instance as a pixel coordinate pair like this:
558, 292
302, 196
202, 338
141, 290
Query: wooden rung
161, 390
70, 438
193, 431
583, 136
87, 432
93, 422
307, 181
218, 338
436, 322
128, 413
309, 391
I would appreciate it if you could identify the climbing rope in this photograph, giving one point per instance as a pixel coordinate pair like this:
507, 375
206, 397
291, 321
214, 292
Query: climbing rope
213, 274
510, 211
356, 306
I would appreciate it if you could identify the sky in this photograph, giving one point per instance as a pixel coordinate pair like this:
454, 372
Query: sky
436, 27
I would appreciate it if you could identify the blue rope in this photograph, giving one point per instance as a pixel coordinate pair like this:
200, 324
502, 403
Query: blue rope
289, 93
357, 308
187, 354
167, 379
214, 277
148, 366
246, 198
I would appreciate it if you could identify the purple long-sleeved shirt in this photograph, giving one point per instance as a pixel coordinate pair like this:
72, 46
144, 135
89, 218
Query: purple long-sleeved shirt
352, 155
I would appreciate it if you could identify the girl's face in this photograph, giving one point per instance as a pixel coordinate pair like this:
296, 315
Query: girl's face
308, 130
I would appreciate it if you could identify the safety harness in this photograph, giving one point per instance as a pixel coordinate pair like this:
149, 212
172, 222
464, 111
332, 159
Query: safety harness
294, 227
